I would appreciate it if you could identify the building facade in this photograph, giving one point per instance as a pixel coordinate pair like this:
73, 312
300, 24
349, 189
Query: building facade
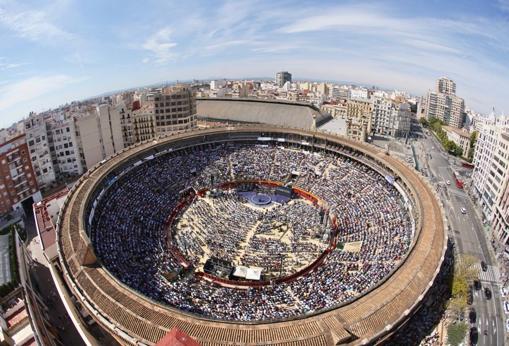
443, 104
358, 118
460, 137
174, 110
283, 77
500, 220
491, 161
66, 149
41, 149
99, 134
17, 177
335, 110
446, 86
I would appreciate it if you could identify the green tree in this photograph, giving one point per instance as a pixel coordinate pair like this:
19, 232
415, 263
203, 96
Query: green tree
471, 146
456, 333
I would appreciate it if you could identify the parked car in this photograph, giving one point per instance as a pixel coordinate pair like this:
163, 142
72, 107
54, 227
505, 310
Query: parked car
474, 336
477, 285
484, 266
506, 307
487, 293
472, 315
463, 211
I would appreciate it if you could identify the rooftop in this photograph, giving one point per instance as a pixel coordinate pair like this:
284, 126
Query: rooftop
46, 213
461, 132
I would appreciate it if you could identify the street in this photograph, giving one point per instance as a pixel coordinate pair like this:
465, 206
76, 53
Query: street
467, 231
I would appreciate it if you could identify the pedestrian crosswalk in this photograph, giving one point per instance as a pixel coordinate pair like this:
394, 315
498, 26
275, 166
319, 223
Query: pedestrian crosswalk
492, 274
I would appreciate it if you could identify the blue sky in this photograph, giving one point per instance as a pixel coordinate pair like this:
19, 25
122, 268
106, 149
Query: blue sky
56, 51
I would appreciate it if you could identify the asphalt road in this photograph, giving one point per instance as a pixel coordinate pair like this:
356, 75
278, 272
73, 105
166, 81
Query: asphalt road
469, 237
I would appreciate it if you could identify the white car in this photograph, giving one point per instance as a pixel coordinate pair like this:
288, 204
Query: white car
448, 182
504, 291
463, 211
507, 325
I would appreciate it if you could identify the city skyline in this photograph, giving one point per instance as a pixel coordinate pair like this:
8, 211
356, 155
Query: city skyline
64, 50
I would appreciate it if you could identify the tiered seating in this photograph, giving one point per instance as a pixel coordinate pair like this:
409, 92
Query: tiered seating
364, 317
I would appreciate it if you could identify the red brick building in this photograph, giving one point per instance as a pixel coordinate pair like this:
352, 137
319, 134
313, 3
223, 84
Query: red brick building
17, 178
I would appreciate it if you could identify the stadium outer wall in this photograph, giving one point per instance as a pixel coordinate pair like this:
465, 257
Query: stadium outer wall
134, 319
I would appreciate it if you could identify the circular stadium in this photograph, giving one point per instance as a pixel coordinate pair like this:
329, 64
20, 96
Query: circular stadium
251, 235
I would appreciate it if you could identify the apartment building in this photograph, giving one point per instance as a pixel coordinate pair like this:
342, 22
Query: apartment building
338, 110
40, 148
445, 85
358, 117
17, 177
460, 137
491, 160
126, 112
443, 104
500, 220
283, 77
70, 141
383, 112
143, 124
401, 121
99, 133
358, 93
174, 109
66, 148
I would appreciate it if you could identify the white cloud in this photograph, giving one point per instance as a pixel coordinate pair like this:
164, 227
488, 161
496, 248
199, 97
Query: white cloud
28, 89
226, 44
5, 65
160, 45
31, 24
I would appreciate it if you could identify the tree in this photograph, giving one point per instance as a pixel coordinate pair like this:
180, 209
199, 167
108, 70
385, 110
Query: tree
466, 267
465, 271
456, 333
471, 146
424, 122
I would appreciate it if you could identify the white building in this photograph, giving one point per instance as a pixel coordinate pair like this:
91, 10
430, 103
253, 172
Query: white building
217, 84
99, 134
500, 220
66, 148
40, 149
491, 160
358, 93
460, 137
443, 104
390, 118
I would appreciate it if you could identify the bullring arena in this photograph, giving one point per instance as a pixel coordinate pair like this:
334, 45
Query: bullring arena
251, 235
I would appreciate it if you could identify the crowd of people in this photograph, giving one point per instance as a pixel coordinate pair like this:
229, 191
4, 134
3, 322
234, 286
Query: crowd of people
280, 238
130, 236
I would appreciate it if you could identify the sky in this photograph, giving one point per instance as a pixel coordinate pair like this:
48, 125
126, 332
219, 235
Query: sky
56, 51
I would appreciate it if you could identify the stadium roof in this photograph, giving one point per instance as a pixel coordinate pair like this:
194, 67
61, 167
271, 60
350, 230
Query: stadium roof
272, 112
